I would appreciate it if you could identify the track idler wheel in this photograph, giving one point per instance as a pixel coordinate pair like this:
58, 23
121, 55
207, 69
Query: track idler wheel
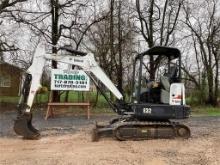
183, 132
23, 126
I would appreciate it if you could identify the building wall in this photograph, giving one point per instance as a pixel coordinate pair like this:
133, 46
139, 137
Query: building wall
10, 77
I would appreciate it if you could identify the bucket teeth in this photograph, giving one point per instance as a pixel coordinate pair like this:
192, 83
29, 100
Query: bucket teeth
31, 127
24, 127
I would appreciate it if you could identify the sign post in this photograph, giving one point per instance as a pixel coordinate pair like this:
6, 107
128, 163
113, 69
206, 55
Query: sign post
76, 80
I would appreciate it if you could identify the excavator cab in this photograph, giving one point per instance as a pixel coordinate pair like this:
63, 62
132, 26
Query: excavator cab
148, 90
164, 96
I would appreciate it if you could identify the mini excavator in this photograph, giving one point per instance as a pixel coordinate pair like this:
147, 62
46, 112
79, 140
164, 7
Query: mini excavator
148, 116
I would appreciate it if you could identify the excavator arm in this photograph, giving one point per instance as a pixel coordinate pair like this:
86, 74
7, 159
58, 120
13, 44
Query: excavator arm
23, 125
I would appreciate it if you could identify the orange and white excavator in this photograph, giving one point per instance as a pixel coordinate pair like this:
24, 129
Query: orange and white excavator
147, 116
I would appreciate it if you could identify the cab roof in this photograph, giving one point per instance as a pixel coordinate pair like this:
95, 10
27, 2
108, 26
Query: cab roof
169, 52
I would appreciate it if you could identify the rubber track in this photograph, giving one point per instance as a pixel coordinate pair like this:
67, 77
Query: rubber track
155, 125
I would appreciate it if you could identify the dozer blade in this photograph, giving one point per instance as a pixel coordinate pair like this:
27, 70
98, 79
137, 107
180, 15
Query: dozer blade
23, 126
101, 131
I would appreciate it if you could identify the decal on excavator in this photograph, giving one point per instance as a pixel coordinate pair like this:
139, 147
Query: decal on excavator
147, 110
77, 60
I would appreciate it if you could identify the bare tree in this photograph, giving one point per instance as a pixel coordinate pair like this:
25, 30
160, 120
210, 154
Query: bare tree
205, 31
4, 4
59, 22
112, 43
158, 21
5, 46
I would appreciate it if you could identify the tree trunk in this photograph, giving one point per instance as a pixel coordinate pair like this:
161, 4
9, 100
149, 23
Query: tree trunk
216, 84
111, 39
1, 55
210, 86
54, 34
96, 99
66, 96
153, 68
120, 67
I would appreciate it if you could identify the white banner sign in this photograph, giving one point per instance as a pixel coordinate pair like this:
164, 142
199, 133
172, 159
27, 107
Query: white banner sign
76, 80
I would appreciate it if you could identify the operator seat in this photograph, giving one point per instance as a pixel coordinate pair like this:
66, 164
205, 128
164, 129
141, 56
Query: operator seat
166, 81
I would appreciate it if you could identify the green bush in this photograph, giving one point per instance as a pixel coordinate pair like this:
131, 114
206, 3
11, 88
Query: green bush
206, 110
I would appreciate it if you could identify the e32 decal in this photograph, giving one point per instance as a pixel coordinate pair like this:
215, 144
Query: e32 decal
147, 110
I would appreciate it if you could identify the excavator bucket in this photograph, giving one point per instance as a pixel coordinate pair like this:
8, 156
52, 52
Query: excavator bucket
23, 126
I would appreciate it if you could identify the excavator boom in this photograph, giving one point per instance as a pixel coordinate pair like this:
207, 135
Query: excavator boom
23, 125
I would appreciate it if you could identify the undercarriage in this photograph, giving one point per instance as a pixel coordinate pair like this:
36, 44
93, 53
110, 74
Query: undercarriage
127, 128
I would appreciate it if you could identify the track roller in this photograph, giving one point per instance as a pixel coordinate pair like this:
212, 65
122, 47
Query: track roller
183, 131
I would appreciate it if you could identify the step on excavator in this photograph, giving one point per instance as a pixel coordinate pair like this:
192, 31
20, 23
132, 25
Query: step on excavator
148, 115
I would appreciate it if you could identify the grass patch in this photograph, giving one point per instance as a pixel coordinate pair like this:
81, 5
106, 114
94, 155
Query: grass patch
205, 111
102, 105
73, 97
72, 110
9, 99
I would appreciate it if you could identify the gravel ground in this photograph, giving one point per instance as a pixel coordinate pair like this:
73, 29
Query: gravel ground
66, 140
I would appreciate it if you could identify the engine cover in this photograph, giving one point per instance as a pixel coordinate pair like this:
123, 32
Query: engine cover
146, 111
